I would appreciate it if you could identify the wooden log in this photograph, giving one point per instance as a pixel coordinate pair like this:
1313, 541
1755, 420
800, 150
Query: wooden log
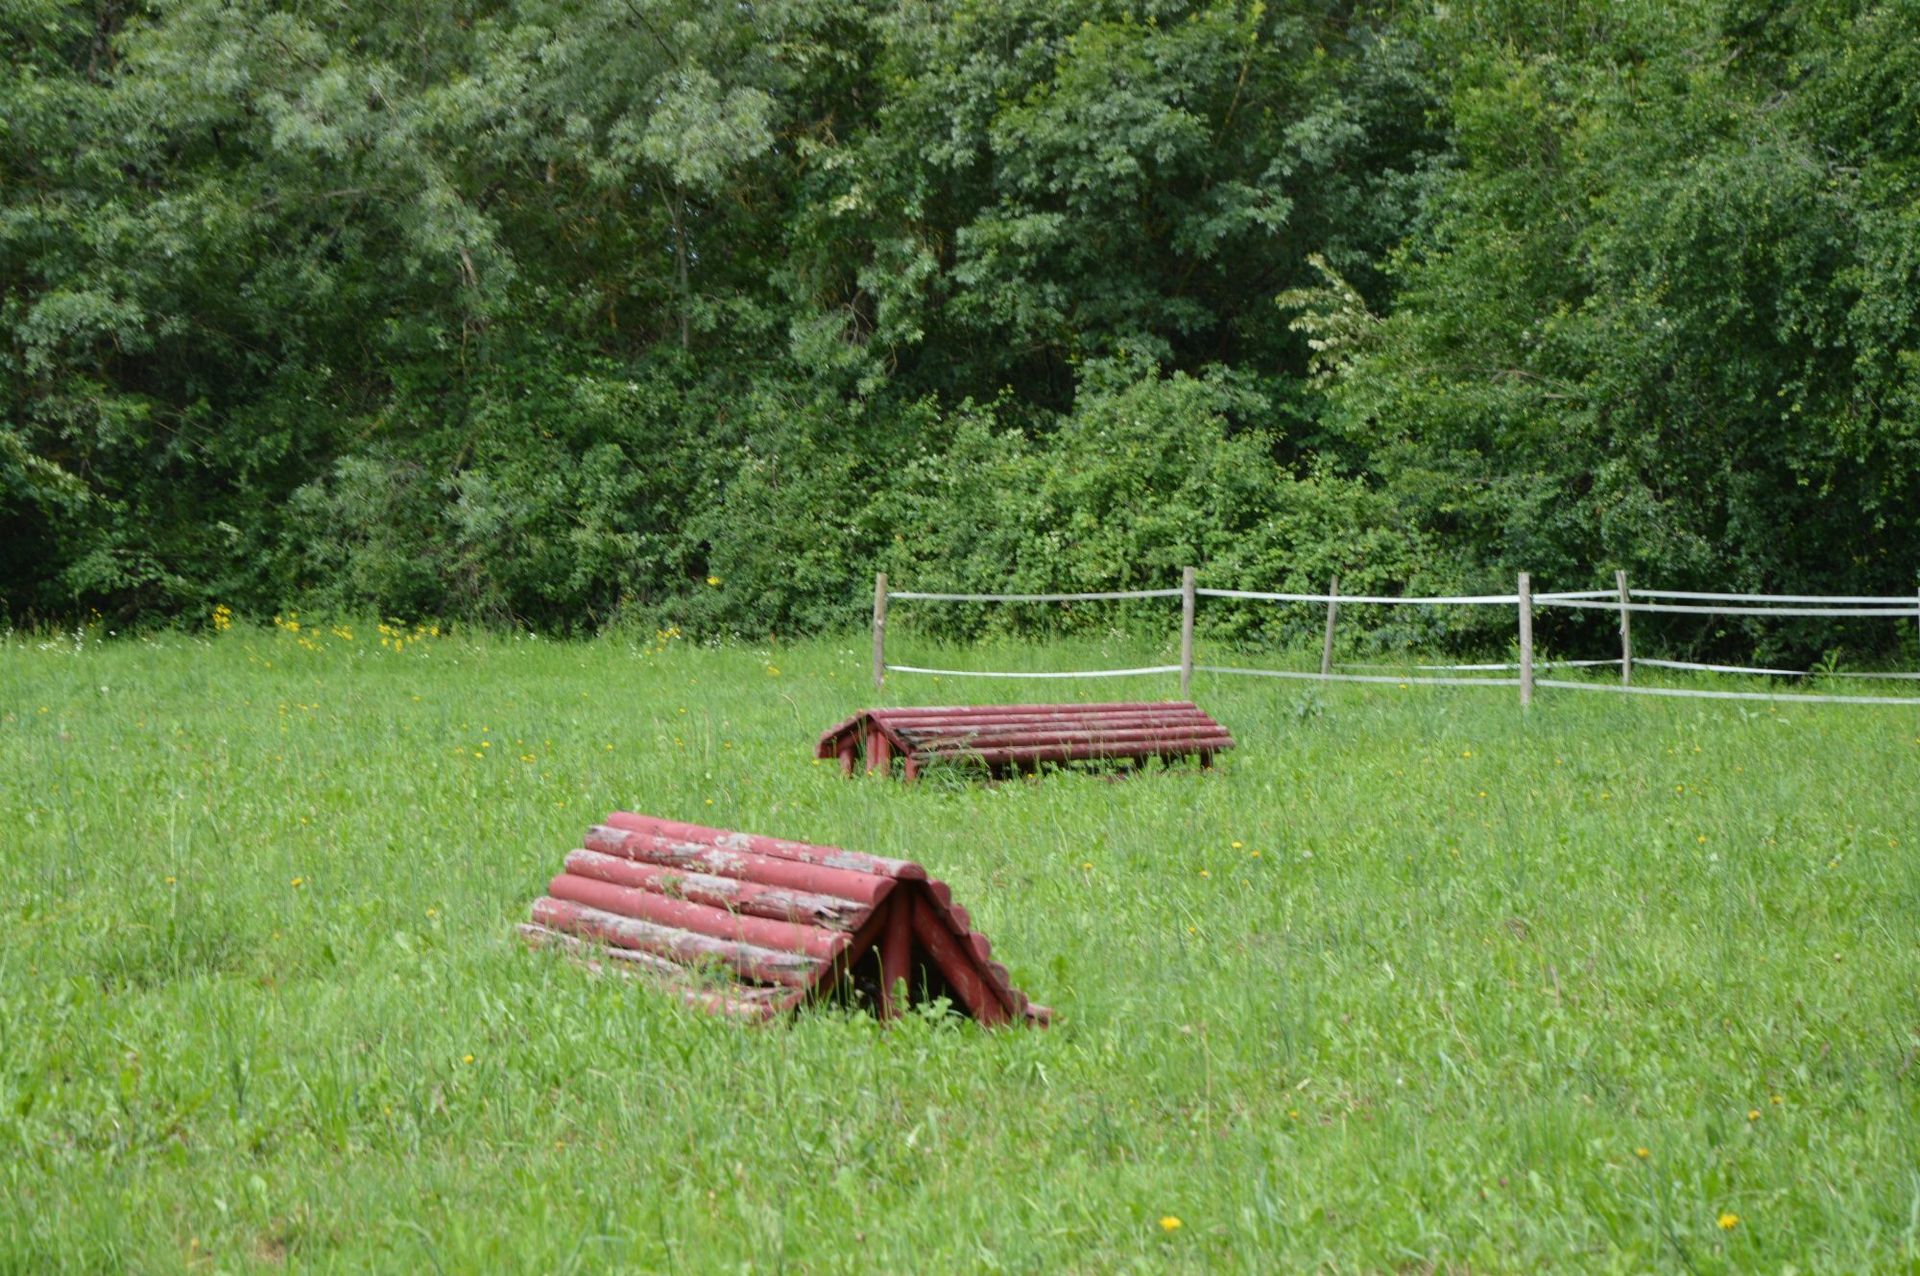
880, 753
746, 1001
795, 970
777, 902
701, 919
896, 949
957, 966
908, 713
779, 848
1333, 610
1088, 752
769, 870
1188, 579
845, 752
1117, 735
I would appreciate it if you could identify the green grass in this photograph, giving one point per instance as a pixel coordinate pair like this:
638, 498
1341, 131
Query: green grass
1404, 985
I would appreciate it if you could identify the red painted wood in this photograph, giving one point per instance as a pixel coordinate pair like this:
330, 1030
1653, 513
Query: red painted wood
1086, 752
1121, 736
796, 970
957, 965
770, 870
648, 904
777, 902
1028, 710
779, 848
762, 932
896, 949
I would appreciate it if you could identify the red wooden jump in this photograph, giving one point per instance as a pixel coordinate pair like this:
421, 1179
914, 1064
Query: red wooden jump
1007, 737
755, 926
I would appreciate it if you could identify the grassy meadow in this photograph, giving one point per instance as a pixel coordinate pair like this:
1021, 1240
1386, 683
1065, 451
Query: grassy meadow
1412, 982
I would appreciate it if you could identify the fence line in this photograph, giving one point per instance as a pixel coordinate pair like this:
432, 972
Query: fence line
1111, 595
1912, 608
1309, 676
1806, 697
1899, 599
1065, 673
1619, 600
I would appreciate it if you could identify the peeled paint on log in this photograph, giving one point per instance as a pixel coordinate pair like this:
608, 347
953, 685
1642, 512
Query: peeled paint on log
957, 966
636, 964
776, 902
1028, 710
681, 914
705, 858
1118, 733
1010, 722
1081, 753
796, 970
778, 848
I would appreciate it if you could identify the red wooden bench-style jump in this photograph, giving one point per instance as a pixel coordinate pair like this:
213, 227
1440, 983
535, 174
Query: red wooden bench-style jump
1016, 736
754, 927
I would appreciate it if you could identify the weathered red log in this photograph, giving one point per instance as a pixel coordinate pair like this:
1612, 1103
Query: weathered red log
957, 966
1020, 736
705, 858
766, 965
746, 1001
701, 919
777, 902
779, 848
964, 742
741, 944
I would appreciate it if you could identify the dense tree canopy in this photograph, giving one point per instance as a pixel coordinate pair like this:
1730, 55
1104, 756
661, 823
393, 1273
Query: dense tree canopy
550, 311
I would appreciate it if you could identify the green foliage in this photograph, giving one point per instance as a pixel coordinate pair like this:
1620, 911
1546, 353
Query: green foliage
337, 305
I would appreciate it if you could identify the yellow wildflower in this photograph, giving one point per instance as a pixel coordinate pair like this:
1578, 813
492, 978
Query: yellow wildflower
1729, 1221
1168, 1223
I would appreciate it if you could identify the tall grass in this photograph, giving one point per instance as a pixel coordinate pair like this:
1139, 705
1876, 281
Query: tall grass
1412, 981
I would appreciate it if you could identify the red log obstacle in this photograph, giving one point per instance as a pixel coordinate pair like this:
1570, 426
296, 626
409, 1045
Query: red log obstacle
755, 926
1008, 737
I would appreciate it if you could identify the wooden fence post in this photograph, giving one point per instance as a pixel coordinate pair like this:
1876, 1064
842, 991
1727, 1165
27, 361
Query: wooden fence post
1333, 608
1188, 578
1626, 631
879, 630
1526, 640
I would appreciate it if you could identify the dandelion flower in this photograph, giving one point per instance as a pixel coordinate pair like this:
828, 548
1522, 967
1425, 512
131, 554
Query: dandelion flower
298, 882
1642, 1153
1236, 846
1753, 1114
1168, 1223
466, 1058
1729, 1221
713, 580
